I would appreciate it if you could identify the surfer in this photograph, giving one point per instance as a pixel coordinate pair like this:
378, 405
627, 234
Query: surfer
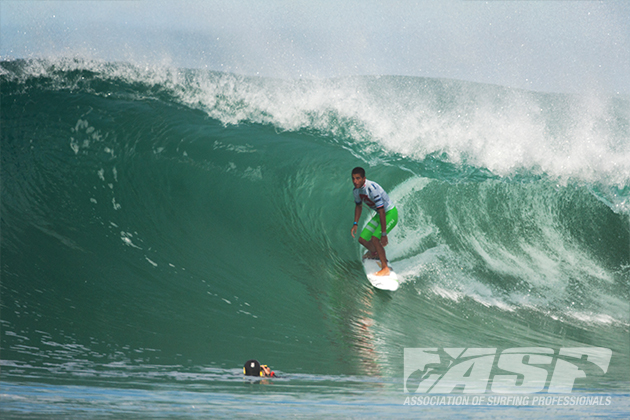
374, 236
254, 368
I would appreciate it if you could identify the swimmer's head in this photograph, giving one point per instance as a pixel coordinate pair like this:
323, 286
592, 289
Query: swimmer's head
252, 368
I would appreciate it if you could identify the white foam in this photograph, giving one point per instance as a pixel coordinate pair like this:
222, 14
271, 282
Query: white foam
503, 130
543, 270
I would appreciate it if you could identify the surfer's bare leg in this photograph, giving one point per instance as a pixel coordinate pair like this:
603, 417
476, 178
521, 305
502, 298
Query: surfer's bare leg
370, 247
376, 243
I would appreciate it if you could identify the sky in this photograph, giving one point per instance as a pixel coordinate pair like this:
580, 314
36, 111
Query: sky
558, 46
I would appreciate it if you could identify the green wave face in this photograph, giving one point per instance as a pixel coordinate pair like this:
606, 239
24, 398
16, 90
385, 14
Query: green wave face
154, 218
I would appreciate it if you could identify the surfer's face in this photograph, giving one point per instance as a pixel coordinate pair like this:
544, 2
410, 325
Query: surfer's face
358, 180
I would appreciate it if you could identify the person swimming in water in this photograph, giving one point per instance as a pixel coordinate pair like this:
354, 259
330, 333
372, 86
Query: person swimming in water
254, 368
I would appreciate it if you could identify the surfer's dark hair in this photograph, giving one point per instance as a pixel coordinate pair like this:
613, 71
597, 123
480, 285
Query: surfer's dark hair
359, 170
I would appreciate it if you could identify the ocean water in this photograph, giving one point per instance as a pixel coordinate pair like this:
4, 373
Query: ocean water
161, 226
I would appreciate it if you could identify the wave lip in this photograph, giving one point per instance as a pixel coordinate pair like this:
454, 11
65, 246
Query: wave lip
506, 131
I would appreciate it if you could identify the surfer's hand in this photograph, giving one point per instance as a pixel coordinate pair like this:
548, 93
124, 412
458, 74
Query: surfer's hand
384, 240
353, 230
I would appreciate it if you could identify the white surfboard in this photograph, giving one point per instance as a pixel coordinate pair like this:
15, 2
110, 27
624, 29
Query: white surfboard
390, 282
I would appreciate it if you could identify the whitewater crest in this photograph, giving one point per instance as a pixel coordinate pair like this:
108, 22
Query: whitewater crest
505, 131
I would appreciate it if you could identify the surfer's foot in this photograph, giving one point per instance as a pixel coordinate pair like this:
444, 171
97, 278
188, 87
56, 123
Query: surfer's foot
384, 272
370, 255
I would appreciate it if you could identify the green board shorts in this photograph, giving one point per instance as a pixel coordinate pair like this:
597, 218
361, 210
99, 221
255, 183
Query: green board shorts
373, 228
